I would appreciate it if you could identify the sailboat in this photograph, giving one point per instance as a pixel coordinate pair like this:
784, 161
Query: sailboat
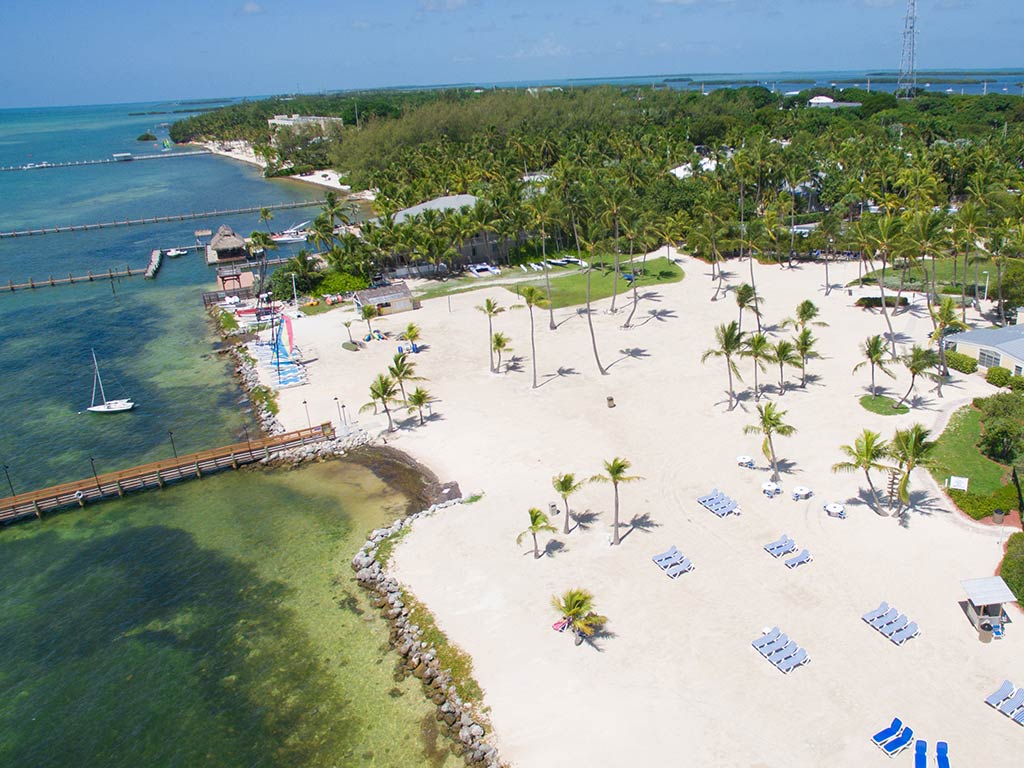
106, 406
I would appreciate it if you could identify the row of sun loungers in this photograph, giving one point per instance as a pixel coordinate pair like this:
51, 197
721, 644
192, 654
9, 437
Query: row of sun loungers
891, 623
719, 503
784, 546
783, 653
1008, 700
673, 562
895, 738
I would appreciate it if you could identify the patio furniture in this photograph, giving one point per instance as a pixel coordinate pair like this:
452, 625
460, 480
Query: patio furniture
770, 636
803, 557
901, 636
787, 549
802, 492
887, 733
878, 612
1001, 695
678, 569
667, 556
1012, 704
921, 754
745, 461
781, 654
797, 659
890, 629
886, 618
773, 548
942, 754
770, 489
901, 742
833, 509
715, 493
773, 646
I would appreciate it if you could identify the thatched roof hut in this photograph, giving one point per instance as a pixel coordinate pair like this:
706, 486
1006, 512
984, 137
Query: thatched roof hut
227, 244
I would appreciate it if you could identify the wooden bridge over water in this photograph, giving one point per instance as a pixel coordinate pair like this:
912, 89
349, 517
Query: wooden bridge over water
119, 158
156, 474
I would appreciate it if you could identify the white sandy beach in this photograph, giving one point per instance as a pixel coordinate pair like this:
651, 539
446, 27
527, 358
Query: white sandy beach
242, 151
677, 681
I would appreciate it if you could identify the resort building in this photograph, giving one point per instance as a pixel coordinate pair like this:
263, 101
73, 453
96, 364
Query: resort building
388, 299
828, 102
295, 121
443, 204
225, 246
992, 347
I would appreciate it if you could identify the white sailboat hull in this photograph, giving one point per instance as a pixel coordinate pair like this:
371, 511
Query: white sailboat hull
112, 406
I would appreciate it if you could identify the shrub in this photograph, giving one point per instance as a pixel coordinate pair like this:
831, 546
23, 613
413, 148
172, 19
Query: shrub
1003, 440
874, 302
1017, 384
978, 506
340, 282
998, 376
1012, 569
1005, 405
958, 361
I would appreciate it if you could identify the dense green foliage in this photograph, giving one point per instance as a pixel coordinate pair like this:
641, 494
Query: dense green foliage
978, 505
147, 136
1012, 569
874, 302
961, 362
998, 376
957, 453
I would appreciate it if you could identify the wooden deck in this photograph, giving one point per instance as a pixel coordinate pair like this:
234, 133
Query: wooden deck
155, 474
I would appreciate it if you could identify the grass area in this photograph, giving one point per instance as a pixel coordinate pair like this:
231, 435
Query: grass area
450, 656
571, 290
1012, 569
227, 322
882, 405
943, 276
386, 547
318, 309
956, 453
264, 396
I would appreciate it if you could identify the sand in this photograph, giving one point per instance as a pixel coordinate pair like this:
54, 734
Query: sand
242, 150
677, 680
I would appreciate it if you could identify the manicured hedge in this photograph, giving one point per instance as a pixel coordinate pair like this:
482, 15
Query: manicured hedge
1012, 569
958, 361
874, 302
998, 376
982, 506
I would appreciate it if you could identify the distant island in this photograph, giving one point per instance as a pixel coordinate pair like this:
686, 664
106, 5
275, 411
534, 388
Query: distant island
147, 136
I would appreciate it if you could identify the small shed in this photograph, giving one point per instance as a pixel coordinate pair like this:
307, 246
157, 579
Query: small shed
226, 245
985, 598
388, 299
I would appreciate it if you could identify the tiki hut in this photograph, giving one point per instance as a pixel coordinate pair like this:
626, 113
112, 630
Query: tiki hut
226, 245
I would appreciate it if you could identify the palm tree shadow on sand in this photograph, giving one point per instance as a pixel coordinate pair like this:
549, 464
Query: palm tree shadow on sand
634, 353
584, 521
661, 315
600, 634
639, 523
554, 547
561, 373
514, 364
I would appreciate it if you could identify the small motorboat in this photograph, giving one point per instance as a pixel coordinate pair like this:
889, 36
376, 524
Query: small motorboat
175, 252
294, 234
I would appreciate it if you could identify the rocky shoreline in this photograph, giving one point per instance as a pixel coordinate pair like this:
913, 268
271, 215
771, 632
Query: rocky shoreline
418, 657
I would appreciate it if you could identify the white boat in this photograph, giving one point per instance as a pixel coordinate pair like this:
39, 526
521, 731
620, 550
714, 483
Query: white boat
175, 252
295, 234
105, 406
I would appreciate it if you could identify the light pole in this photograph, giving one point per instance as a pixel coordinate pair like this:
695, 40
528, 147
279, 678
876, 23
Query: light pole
248, 442
337, 404
173, 448
985, 297
96, 477
8, 476
309, 421
295, 295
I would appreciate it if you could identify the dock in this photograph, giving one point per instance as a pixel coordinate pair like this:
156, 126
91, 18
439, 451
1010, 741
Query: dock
159, 219
52, 282
118, 158
156, 474
155, 260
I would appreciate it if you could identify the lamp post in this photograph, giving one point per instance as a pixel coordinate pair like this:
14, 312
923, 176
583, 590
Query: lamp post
8, 476
92, 463
248, 442
337, 404
309, 421
344, 415
985, 297
295, 295
173, 447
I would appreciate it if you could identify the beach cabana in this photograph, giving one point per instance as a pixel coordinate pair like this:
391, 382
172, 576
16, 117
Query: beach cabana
985, 598
388, 299
226, 245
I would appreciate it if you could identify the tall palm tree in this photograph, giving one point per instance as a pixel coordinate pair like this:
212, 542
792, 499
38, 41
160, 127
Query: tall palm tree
782, 354
615, 473
402, 370
945, 318
875, 353
918, 362
416, 401
747, 298
265, 217
867, 453
576, 606
806, 312
383, 391
492, 309
758, 349
565, 486
543, 212
804, 345
910, 448
769, 424
731, 344
412, 333
539, 523
533, 297
592, 250
499, 344
369, 311
884, 238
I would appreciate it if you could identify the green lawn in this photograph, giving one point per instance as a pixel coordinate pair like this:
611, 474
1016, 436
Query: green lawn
943, 276
882, 405
569, 290
957, 454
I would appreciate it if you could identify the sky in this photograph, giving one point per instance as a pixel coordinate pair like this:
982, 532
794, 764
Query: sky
63, 52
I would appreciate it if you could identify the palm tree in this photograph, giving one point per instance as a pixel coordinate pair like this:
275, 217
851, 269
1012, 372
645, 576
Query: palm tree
885, 240
770, 423
492, 309
576, 606
730, 345
910, 448
412, 333
369, 311
499, 344
875, 352
543, 212
418, 398
565, 486
539, 523
402, 370
265, 217
757, 349
533, 297
615, 473
384, 392
806, 312
785, 353
804, 345
867, 453
945, 318
918, 362
747, 298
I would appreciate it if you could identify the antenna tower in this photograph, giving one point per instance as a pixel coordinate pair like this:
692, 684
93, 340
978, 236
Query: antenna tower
906, 83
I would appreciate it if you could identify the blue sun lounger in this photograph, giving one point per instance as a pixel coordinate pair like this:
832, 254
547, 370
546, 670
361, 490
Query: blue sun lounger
773, 646
777, 544
715, 493
921, 754
887, 733
786, 549
890, 629
886, 618
803, 557
1004, 692
1019, 717
768, 637
900, 636
683, 566
877, 613
1012, 704
780, 654
900, 743
797, 659
666, 557
942, 754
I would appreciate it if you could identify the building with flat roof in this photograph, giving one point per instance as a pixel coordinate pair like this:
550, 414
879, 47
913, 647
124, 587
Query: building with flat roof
443, 204
388, 299
992, 347
294, 121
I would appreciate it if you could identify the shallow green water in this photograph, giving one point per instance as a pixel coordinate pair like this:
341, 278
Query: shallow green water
213, 623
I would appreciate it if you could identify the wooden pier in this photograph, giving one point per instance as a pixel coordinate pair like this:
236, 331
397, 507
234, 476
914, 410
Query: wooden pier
159, 219
155, 474
52, 282
104, 161
155, 260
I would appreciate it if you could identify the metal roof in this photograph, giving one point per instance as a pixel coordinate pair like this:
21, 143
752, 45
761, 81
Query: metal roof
990, 590
393, 291
447, 203
1009, 339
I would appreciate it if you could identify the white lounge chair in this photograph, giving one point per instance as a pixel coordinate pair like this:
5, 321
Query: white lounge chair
768, 637
803, 557
797, 659
878, 612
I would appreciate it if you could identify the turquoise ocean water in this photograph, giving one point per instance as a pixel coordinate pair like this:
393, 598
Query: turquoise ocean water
211, 623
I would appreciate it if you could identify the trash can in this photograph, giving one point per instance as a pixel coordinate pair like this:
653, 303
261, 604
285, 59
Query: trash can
998, 515
552, 509
611, 401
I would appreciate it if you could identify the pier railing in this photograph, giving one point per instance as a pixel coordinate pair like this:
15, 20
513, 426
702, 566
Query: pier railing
156, 474
102, 161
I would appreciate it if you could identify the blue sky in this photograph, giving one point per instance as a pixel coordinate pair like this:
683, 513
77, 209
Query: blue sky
84, 52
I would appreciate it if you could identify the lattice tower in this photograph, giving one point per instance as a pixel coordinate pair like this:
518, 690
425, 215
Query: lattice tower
906, 83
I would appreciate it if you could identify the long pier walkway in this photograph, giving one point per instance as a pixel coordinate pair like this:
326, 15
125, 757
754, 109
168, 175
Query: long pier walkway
160, 219
111, 274
155, 474
104, 161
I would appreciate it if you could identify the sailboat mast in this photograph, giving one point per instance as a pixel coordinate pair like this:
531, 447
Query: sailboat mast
99, 379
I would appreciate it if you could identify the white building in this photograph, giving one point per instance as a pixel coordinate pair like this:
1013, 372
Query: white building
294, 121
992, 346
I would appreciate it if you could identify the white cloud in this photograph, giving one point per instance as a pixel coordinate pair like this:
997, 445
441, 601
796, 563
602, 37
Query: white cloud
251, 7
548, 48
